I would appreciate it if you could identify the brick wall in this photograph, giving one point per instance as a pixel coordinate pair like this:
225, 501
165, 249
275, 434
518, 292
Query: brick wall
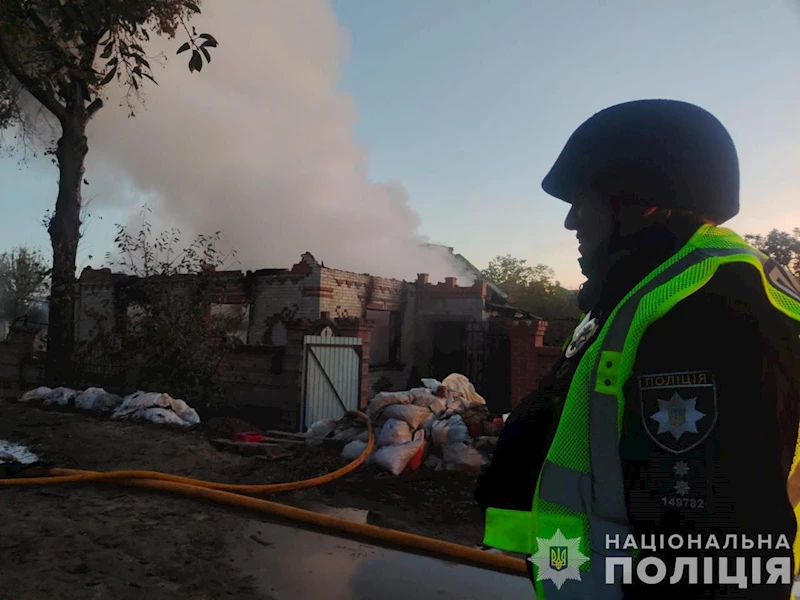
268, 399
530, 359
94, 303
558, 330
449, 300
349, 294
284, 295
346, 293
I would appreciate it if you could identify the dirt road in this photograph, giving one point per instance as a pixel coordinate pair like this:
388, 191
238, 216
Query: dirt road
83, 541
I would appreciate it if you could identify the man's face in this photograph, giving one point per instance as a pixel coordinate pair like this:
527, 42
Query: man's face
592, 218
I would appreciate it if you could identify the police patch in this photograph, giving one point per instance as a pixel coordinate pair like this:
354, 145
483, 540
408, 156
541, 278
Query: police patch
781, 278
679, 410
582, 334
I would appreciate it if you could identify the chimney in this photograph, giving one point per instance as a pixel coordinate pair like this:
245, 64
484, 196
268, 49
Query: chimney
422, 278
450, 282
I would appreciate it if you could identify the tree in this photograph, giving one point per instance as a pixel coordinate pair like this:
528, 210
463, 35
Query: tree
166, 329
781, 245
24, 278
508, 271
63, 54
532, 288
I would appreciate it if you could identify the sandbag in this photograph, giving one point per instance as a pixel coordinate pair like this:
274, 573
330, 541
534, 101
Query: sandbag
39, 393
61, 396
384, 399
462, 457
422, 397
12, 452
134, 405
459, 385
97, 400
353, 450
413, 415
348, 434
394, 431
185, 412
438, 406
457, 430
160, 416
395, 458
319, 430
438, 434
455, 404
431, 384
427, 425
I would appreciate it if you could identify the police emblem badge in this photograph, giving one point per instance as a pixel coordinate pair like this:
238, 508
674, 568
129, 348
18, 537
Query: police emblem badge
783, 279
679, 410
583, 333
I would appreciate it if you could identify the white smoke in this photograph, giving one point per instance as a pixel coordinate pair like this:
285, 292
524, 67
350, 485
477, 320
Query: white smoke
260, 145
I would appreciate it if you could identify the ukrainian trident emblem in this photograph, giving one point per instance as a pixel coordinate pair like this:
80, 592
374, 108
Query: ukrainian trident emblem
677, 416
558, 558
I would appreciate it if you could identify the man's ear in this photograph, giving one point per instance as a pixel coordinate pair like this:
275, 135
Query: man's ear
633, 218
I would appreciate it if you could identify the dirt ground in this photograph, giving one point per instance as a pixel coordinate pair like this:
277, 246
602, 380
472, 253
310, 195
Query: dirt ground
106, 541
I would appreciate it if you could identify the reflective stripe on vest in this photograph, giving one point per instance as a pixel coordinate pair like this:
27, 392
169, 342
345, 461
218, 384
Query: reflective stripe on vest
580, 491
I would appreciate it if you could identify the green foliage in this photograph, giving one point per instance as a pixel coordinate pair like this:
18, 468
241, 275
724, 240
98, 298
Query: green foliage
532, 288
781, 245
24, 277
64, 53
166, 329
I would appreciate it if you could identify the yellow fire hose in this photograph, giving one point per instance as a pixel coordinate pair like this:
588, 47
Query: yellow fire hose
233, 495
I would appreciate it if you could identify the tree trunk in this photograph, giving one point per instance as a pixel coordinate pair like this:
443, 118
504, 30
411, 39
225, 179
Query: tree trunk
64, 232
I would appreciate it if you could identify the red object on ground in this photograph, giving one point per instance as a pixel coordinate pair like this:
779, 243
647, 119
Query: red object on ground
248, 436
416, 460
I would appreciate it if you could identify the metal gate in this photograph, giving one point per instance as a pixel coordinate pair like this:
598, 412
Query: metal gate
488, 363
332, 380
481, 351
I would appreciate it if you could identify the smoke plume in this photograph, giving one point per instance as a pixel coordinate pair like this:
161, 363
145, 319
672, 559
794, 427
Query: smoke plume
261, 146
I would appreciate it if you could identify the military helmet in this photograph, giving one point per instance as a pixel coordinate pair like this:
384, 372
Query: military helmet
665, 153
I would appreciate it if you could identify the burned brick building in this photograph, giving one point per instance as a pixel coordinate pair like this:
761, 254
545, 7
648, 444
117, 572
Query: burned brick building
400, 330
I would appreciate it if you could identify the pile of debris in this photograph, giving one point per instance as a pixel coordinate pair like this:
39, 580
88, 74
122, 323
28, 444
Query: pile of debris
444, 425
154, 407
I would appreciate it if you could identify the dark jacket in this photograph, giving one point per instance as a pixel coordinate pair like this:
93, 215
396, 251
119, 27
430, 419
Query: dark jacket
737, 475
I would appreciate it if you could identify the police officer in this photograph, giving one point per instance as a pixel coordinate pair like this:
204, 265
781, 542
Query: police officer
659, 447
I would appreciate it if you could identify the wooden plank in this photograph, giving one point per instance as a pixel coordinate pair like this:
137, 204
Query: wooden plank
266, 441
283, 441
287, 434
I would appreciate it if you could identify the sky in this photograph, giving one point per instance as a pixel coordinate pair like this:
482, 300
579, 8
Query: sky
356, 129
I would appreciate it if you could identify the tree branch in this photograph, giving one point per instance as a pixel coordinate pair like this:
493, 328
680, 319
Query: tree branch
45, 97
96, 105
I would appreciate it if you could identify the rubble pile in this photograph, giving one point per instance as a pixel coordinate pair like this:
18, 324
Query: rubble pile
154, 407
444, 425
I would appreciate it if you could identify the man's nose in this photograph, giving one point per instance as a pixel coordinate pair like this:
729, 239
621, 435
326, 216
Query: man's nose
571, 222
